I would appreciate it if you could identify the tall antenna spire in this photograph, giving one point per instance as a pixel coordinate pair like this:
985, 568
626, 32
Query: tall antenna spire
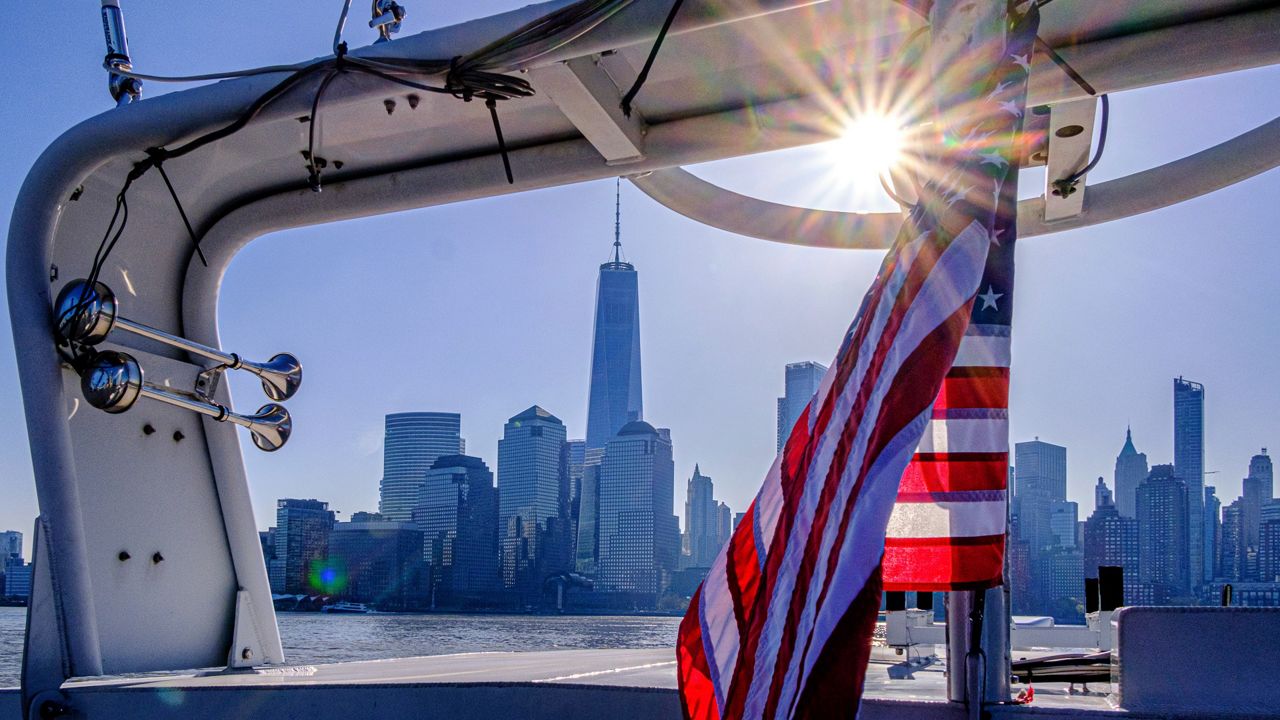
617, 220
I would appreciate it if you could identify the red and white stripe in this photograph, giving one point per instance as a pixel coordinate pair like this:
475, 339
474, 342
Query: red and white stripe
947, 530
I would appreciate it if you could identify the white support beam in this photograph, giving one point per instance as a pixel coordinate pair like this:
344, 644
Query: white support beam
589, 99
1070, 143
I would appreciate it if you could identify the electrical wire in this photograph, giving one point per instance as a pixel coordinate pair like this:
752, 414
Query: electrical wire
465, 77
648, 63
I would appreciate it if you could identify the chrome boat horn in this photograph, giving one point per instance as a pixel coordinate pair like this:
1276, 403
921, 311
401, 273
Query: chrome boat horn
86, 314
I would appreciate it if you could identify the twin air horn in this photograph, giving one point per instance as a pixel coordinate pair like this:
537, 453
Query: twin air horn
112, 381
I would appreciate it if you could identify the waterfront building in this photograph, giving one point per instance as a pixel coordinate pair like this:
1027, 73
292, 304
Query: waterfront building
1063, 519
1231, 545
1260, 468
10, 544
1188, 463
724, 527
587, 543
1269, 542
378, 562
1162, 535
302, 542
702, 520
1039, 464
457, 512
533, 501
1102, 495
267, 539
412, 443
1111, 539
1257, 489
17, 577
615, 397
576, 452
1066, 584
638, 532
1212, 530
1131, 470
801, 382
1040, 469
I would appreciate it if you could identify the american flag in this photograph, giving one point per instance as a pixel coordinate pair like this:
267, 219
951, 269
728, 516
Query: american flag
782, 625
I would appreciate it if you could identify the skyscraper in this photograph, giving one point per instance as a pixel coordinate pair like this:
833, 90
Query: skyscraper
376, 562
302, 544
1260, 467
10, 544
413, 442
1188, 464
801, 382
702, 518
1041, 472
615, 396
1063, 516
1257, 489
638, 535
533, 500
1041, 464
1212, 530
1231, 546
1164, 558
1111, 539
457, 512
1131, 469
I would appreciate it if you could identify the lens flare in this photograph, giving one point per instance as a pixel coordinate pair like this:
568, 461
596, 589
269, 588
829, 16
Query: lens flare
870, 145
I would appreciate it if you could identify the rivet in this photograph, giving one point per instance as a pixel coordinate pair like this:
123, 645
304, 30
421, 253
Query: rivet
178, 436
148, 429
390, 105
413, 100
124, 555
157, 558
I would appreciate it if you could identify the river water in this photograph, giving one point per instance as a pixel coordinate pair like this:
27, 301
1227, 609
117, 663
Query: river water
317, 638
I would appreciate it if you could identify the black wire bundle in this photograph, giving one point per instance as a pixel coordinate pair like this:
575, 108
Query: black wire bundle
466, 77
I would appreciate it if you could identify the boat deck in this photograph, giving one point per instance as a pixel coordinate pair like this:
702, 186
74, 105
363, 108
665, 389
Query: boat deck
560, 684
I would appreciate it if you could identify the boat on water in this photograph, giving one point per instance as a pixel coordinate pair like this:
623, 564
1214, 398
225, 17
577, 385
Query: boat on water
347, 608
111, 634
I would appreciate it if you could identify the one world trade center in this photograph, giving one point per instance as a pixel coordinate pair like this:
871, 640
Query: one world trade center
615, 359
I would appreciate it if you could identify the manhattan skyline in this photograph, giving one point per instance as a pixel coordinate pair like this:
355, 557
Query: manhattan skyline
485, 308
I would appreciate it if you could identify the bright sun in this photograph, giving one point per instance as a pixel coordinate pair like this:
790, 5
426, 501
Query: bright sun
871, 144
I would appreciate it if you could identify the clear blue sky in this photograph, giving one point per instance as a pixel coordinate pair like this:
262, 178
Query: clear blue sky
503, 289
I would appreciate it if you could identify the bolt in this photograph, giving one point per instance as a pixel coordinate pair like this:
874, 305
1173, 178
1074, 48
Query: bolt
413, 100
124, 555
50, 709
246, 654
390, 105
157, 558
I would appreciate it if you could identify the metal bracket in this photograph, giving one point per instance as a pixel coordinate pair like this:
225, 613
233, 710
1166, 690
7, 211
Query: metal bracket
588, 97
207, 382
1070, 142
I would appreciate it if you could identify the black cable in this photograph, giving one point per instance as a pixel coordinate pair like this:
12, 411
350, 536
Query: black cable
1066, 66
195, 241
648, 63
1102, 143
502, 144
313, 176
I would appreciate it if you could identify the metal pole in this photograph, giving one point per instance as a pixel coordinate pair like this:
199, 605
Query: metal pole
959, 605
123, 89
